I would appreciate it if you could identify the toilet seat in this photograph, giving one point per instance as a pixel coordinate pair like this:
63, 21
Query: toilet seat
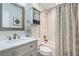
44, 50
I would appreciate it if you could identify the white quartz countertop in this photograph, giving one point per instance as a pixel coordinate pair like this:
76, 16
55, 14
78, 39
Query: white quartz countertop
4, 45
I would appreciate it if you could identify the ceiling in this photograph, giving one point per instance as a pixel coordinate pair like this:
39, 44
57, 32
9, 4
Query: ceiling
47, 6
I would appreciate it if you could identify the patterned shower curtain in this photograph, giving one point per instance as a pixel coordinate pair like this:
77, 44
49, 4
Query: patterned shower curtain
66, 34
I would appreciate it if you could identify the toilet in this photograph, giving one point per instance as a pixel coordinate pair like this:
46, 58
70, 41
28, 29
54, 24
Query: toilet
45, 50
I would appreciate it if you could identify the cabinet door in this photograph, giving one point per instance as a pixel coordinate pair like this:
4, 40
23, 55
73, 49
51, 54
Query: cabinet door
31, 53
6, 52
21, 50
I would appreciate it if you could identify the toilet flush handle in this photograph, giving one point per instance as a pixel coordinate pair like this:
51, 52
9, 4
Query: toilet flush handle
45, 39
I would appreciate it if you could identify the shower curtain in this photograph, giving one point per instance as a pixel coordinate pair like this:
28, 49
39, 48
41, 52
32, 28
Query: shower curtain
66, 33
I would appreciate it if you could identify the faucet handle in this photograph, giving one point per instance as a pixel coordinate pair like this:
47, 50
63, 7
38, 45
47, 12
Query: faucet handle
14, 36
9, 38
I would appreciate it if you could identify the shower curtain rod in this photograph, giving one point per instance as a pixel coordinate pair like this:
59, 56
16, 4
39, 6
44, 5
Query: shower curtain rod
58, 5
54, 7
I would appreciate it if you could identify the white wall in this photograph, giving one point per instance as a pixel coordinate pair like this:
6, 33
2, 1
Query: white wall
51, 28
9, 33
35, 29
43, 26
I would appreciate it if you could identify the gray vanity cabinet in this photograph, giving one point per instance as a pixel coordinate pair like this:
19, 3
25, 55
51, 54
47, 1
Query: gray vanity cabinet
28, 49
31, 53
8, 52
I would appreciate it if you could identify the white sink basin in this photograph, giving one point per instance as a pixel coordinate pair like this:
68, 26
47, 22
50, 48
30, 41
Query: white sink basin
13, 41
6, 44
17, 41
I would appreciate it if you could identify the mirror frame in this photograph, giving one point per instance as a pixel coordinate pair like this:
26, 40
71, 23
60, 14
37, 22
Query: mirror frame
12, 29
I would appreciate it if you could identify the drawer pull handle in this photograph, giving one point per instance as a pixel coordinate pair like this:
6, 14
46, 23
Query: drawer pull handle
31, 46
14, 53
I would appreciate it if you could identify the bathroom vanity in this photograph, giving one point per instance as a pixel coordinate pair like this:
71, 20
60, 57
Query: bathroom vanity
12, 17
26, 47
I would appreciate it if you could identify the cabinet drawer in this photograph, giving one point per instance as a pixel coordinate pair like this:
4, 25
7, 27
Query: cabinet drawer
25, 48
31, 53
6, 52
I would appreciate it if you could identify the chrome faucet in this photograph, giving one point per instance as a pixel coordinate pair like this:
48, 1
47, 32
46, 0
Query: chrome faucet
14, 36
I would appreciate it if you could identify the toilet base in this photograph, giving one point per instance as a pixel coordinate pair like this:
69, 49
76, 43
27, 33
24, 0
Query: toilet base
43, 54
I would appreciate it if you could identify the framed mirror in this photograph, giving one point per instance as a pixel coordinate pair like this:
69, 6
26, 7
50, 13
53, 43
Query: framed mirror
11, 16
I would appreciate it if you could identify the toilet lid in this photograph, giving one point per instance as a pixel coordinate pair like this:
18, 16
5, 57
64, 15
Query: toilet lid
45, 49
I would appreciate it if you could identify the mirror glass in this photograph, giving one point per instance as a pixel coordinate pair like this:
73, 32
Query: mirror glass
12, 16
